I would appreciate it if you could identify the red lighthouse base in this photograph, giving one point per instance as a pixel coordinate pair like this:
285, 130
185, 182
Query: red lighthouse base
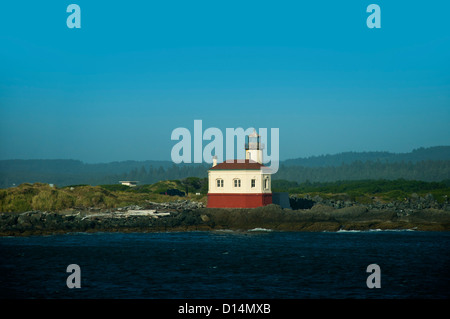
238, 200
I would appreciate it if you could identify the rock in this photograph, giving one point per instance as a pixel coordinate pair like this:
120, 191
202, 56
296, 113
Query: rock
307, 213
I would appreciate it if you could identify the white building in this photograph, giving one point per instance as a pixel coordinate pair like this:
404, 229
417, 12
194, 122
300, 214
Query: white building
241, 183
129, 183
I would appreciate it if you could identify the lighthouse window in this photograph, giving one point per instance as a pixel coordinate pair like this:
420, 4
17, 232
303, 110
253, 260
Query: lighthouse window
266, 183
237, 182
219, 182
253, 182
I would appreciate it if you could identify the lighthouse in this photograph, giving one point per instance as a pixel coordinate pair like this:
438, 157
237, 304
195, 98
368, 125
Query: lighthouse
241, 183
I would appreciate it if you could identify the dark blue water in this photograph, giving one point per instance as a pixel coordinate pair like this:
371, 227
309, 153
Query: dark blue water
227, 265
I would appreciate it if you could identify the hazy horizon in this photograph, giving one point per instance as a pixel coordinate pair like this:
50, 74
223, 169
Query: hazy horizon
169, 160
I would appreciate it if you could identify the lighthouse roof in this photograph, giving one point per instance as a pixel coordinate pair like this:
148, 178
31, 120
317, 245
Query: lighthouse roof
238, 164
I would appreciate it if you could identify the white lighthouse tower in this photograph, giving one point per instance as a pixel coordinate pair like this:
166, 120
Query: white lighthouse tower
254, 148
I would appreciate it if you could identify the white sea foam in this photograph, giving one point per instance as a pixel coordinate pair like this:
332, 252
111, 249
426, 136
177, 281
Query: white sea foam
394, 230
348, 231
373, 230
260, 229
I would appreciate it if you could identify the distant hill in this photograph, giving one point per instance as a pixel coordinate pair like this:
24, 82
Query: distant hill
73, 172
428, 171
436, 153
426, 164
75, 166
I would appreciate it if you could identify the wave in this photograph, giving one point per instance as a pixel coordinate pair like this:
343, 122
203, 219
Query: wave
393, 230
375, 230
261, 229
348, 231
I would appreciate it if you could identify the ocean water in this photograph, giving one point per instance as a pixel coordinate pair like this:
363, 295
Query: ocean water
227, 264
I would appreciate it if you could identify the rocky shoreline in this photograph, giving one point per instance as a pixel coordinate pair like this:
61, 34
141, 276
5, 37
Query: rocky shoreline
412, 203
185, 215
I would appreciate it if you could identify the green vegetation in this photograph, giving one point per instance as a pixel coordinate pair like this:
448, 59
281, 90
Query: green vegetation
190, 185
365, 186
364, 191
424, 164
40, 196
43, 197
429, 171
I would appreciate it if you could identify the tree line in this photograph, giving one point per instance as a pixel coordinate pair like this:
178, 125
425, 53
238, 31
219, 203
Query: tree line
429, 171
423, 164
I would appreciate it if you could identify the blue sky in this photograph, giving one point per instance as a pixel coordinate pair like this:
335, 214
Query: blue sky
116, 88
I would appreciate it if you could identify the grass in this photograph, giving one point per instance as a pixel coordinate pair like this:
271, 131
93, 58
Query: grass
366, 191
39, 196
